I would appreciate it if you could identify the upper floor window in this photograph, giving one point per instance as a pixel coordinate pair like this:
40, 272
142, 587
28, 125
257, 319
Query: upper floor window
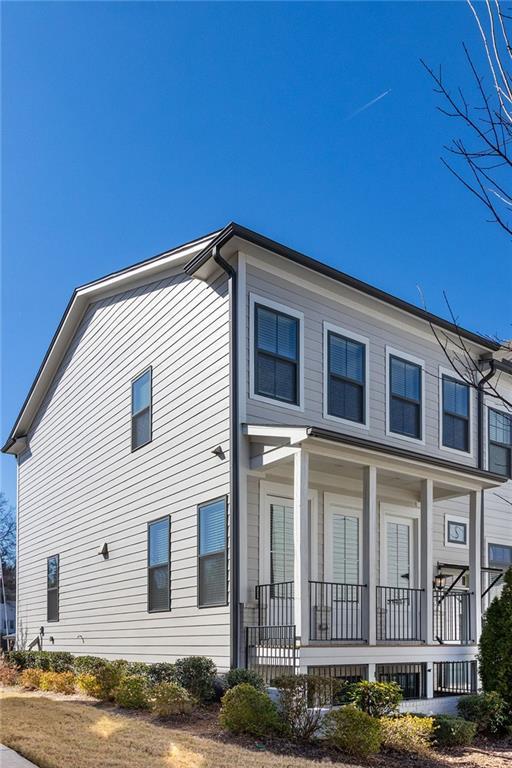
500, 556
455, 415
500, 442
52, 588
276, 339
159, 592
141, 410
212, 561
405, 397
346, 377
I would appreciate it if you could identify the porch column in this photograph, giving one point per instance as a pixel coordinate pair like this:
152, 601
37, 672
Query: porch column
370, 552
427, 513
301, 545
475, 549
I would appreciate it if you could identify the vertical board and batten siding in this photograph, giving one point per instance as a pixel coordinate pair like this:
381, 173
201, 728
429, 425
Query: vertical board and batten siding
311, 294
80, 485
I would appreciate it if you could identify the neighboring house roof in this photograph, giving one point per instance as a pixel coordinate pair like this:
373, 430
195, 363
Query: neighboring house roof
191, 256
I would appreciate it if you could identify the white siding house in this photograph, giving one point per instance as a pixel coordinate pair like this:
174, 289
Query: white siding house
323, 476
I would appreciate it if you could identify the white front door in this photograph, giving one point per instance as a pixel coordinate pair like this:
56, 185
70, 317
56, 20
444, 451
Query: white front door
399, 552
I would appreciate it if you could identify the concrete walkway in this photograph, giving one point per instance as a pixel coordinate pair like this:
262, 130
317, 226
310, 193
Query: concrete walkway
11, 759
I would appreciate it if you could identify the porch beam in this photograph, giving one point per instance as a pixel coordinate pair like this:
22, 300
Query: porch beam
426, 558
272, 456
301, 544
475, 549
370, 552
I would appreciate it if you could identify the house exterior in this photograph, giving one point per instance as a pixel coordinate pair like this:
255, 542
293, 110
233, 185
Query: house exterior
236, 451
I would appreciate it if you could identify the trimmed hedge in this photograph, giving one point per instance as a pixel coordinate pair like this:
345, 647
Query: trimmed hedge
168, 699
407, 733
246, 710
237, 676
49, 661
132, 692
353, 731
450, 731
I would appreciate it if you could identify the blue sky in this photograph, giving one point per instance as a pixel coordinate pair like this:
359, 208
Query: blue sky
131, 127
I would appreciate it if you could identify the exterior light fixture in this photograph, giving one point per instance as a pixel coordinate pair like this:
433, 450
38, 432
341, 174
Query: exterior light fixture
219, 452
440, 580
104, 551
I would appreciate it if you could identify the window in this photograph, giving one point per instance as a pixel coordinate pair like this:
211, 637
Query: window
141, 410
52, 588
500, 443
500, 556
346, 374
276, 355
405, 416
455, 424
159, 571
212, 577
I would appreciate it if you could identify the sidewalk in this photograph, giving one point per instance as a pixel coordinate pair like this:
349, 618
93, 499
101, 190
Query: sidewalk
11, 759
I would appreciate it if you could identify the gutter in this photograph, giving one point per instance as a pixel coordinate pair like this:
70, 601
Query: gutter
234, 495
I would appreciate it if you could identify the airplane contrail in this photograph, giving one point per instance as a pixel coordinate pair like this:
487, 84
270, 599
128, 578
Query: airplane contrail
369, 104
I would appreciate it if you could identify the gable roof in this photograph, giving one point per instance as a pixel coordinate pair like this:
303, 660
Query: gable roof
191, 256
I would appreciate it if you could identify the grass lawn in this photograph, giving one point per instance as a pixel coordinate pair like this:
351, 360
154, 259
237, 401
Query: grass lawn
71, 732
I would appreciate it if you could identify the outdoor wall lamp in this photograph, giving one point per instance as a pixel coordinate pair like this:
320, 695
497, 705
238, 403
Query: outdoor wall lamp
440, 580
104, 551
219, 452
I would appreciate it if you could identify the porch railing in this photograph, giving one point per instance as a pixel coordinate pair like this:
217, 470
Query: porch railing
275, 604
271, 651
336, 611
399, 614
452, 616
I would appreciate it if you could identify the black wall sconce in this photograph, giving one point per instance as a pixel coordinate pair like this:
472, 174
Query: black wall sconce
104, 551
219, 452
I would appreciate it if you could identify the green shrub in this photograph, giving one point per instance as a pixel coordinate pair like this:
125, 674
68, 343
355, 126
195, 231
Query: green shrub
376, 699
489, 711
60, 661
352, 731
300, 699
132, 692
237, 676
246, 710
88, 664
168, 699
137, 668
495, 646
8, 673
21, 659
452, 731
30, 678
88, 683
162, 672
410, 734
59, 682
197, 674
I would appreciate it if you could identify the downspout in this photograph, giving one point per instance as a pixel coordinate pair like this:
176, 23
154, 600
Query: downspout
480, 404
234, 495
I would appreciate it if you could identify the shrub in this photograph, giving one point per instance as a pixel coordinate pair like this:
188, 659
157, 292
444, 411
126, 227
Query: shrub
376, 699
59, 682
237, 676
495, 646
30, 678
49, 661
88, 664
21, 659
301, 697
138, 668
452, 731
132, 692
88, 683
8, 673
58, 661
352, 731
197, 674
489, 711
410, 734
163, 672
246, 710
170, 699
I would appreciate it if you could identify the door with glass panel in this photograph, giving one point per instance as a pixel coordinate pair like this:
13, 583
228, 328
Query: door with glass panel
399, 601
276, 600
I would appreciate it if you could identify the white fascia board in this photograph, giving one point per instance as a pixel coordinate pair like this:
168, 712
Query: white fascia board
293, 434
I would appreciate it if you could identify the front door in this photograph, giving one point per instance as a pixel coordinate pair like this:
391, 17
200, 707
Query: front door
399, 601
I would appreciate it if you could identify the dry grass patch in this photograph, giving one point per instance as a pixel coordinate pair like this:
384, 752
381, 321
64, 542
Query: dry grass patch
61, 734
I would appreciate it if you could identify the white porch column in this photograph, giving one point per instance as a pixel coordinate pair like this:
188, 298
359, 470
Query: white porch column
301, 544
370, 552
427, 514
475, 549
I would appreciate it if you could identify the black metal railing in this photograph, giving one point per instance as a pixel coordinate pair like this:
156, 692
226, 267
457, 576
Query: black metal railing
412, 678
271, 651
275, 604
454, 678
336, 611
399, 614
451, 616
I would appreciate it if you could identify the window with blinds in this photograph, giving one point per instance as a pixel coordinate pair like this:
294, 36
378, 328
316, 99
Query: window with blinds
346, 373
276, 352
141, 410
281, 543
398, 554
405, 397
500, 443
212, 555
52, 588
455, 414
159, 565
345, 549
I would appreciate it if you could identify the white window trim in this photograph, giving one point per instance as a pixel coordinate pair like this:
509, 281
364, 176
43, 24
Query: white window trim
493, 405
391, 351
253, 300
397, 513
454, 375
329, 327
353, 507
276, 490
449, 518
